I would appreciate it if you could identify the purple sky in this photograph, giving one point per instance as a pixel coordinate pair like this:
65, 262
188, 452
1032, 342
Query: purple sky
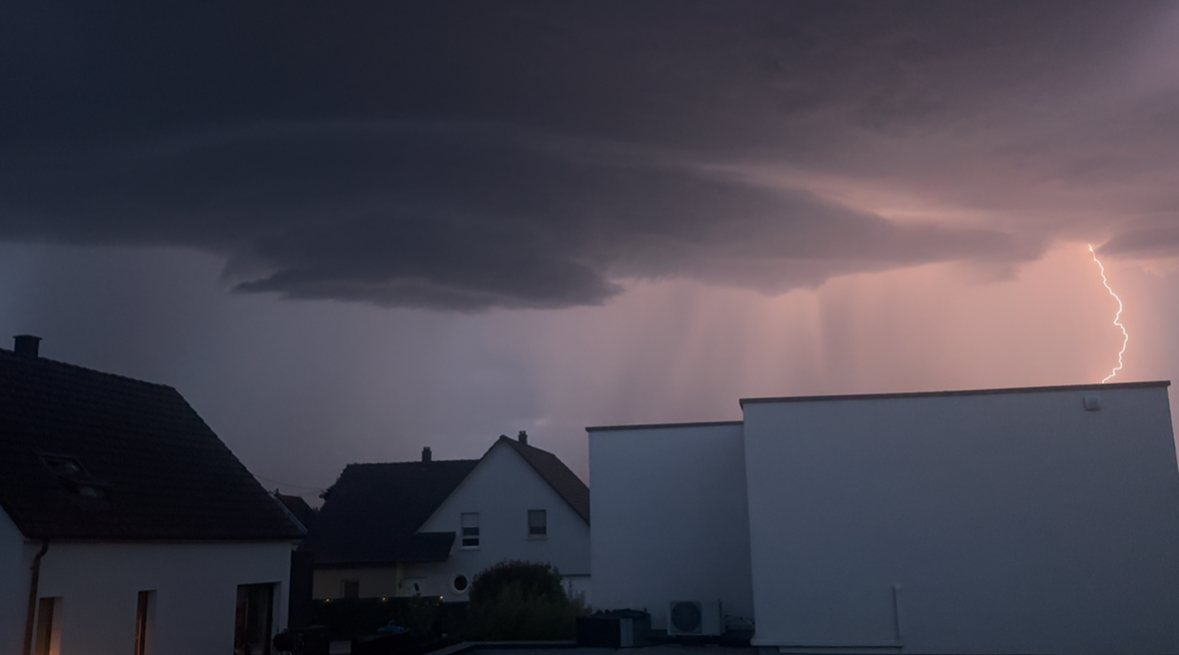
347, 232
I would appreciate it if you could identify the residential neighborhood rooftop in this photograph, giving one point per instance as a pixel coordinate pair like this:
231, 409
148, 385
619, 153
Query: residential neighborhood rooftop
89, 455
373, 511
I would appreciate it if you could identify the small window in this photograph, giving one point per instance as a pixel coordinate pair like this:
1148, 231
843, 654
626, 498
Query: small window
350, 588
144, 617
537, 523
460, 583
48, 627
470, 525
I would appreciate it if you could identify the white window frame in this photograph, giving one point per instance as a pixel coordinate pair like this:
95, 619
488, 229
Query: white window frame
469, 536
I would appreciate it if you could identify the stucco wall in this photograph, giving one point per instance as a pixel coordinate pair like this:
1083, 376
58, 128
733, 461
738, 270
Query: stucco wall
1012, 523
670, 518
502, 488
195, 584
14, 586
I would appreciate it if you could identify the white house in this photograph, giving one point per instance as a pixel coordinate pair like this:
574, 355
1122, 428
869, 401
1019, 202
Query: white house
429, 527
1014, 521
126, 525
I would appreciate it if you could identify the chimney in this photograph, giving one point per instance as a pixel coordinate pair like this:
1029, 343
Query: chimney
522, 437
427, 455
26, 344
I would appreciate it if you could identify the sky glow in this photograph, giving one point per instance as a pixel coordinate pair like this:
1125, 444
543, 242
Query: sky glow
348, 233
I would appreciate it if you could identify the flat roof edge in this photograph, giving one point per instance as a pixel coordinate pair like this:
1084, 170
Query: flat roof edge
658, 426
964, 392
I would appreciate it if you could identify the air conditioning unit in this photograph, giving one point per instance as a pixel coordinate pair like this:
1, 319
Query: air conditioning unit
694, 618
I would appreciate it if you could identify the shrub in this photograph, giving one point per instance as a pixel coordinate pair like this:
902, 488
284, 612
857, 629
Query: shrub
522, 601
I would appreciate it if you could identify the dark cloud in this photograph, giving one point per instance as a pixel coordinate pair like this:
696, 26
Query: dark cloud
541, 154
466, 217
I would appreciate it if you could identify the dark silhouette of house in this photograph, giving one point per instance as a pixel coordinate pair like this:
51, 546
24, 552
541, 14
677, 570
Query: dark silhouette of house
427, 527
120, 504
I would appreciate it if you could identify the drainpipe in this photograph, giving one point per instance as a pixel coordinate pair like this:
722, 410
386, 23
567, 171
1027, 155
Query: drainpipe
29, 622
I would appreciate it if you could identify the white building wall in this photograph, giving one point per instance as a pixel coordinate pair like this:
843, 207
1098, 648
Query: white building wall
14, 586
502, 488
1013, 523
670, 518
195, 584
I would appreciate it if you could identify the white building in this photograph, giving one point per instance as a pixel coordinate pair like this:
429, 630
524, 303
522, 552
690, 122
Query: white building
1016, 521
429, 527
126, 525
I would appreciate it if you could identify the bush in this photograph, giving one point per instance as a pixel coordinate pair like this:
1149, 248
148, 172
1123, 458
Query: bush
521, 601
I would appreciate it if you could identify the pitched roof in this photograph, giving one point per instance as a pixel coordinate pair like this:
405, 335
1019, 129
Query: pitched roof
90, 455
563, 481
372, 514
298, 508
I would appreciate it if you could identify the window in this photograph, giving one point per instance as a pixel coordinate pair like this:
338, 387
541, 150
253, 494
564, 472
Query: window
48, 627
350, 588
255, 610
144, 617
470, 525
460, 583
537, 523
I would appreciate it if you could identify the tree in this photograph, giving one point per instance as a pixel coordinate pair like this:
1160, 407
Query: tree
525, 601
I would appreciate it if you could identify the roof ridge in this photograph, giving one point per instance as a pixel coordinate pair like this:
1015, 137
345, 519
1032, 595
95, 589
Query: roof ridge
4, 352
566, 494
412, 461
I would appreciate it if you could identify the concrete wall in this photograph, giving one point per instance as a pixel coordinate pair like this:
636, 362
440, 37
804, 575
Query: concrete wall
1015, 523
670, 518
14, 586
195, 584
502, 488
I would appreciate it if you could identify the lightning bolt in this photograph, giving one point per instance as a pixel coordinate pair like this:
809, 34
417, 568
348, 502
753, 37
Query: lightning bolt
1117, 317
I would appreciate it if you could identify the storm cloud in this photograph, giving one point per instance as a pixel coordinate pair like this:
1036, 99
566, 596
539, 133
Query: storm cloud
540, 155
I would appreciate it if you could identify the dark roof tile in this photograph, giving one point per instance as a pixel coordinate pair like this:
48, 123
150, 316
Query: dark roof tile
373, 512
165, 475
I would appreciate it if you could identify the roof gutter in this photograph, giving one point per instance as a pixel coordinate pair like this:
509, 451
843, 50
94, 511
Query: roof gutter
32, 615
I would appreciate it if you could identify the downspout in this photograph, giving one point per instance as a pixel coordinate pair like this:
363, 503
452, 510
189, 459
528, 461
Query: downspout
32, 615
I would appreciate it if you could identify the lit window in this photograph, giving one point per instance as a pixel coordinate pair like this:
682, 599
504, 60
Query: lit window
537, 523
470, 525
143, 622
48, 627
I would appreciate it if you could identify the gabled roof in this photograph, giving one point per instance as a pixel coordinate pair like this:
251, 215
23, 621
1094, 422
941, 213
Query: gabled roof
92, 456
563, 481
374, 511
298, 508
372, 514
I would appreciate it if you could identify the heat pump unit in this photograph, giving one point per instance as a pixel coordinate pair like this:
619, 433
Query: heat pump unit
694, 618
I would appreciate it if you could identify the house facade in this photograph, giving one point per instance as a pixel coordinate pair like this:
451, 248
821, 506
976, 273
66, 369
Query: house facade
1017, 521
451, 520
126, 525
